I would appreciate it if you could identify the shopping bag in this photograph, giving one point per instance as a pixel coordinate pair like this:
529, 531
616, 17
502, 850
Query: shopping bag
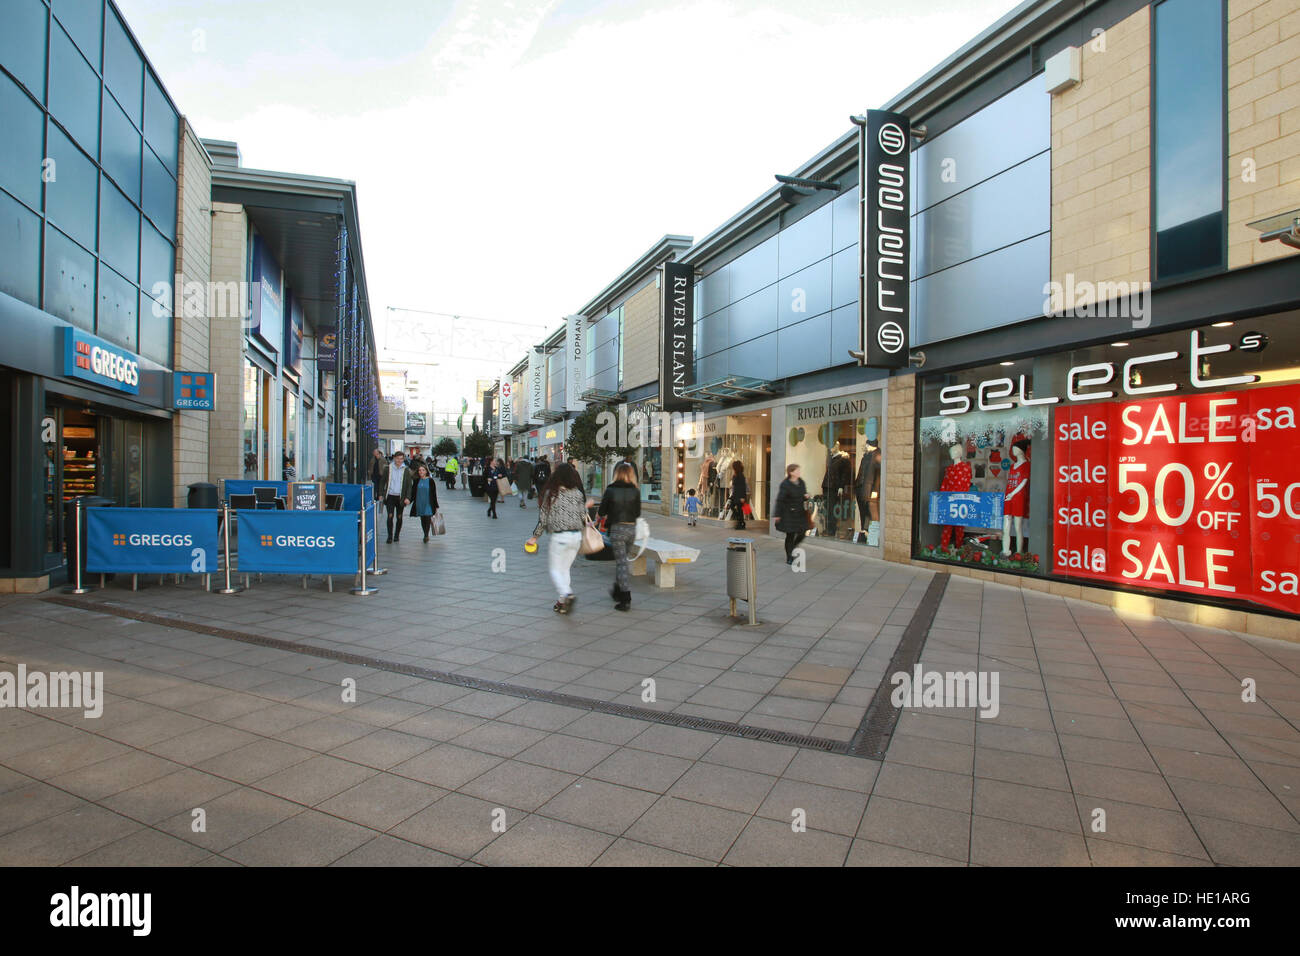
642, 536
439, 525
591, 540
746, 510
503, 487
514, 489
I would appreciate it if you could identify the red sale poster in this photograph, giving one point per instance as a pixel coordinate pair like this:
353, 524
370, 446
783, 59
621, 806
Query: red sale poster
1196, 493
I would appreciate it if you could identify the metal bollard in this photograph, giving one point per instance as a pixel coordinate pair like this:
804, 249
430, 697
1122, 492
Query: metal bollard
742, 575
79, 587
363, 590
376, 570
225, 540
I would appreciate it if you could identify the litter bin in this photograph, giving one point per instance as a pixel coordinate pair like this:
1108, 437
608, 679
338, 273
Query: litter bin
742, 575
203, 494
74, 537
477, 486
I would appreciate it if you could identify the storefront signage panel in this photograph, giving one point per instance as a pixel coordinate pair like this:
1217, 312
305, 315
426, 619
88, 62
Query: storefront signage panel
92, 359
1194, 493
575, 342
194, 391
678, 329
967, 509
886, 238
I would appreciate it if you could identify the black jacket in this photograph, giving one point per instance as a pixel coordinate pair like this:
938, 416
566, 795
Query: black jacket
541, 473
433, 493
621, 503
839, 474
739, 488
790, 513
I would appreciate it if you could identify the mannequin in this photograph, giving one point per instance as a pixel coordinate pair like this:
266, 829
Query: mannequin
835, 487
703, 483
956, 477
1015, 500
867, 490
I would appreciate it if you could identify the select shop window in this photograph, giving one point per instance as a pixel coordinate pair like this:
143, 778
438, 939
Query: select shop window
1163, 465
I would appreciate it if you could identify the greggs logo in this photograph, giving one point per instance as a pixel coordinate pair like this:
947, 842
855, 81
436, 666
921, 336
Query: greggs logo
122, 539
298, 541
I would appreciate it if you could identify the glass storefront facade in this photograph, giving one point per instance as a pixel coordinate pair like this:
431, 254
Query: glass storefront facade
1162, 465
712, 449
838, 445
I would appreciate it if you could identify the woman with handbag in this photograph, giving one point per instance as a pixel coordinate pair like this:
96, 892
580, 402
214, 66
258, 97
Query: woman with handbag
621, 506
562, 510
424, 499
739, 493
791, 517
492, 474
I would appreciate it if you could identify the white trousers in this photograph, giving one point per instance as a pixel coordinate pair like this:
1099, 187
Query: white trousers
561, 552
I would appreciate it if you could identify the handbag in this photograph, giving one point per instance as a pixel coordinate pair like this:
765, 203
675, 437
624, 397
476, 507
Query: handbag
591, 540
746, 510
812, 518
439, 526
642, 537
503, 487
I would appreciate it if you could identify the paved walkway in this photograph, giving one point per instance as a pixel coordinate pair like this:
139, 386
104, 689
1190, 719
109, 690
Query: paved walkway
1140, 718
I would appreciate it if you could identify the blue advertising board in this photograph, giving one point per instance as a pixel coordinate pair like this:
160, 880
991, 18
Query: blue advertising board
268, 299
293, 324
967, 509
194, 391
298, 542
92, 359
151, 541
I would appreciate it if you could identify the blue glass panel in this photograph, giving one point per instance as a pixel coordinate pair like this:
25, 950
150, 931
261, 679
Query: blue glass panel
805, 347
84, 21
74, 93
69, 280
20, 251
72, 197
1011, 206
22, 43
756, 358
711, 333
844, 277
157, 260
22, 146
994, 290
711, 367
119, 305
119, 230
123, 68
159, 195
1010, 129
844, 334
753, 271
844, 220
121, 151
805, 242
805, 294
712, 290
752, 316
161, 124
155, 331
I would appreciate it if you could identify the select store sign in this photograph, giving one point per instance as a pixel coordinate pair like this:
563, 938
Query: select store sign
1196, 493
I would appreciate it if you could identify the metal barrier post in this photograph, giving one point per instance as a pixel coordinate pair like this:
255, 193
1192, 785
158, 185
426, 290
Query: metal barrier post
376, 570
78, 587
363, 590
225, 538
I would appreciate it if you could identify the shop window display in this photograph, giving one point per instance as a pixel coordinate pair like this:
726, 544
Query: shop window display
841, 461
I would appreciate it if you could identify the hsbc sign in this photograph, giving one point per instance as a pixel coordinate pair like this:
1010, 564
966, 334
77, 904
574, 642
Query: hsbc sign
885, 241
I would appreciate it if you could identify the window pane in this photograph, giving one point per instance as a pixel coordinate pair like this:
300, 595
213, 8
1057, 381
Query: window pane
159, 195
123, 68
806, 241
119, 301
752, 316
155, 330
844, 220
121, 155
805, 293
84, 20
1188, 136
71, 199
754, 270
22, 43
69, 280
21, 148
161, 125
74, 93
119, 230
155, 261
20, 251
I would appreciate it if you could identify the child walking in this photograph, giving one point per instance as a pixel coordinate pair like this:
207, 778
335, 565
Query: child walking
692, 508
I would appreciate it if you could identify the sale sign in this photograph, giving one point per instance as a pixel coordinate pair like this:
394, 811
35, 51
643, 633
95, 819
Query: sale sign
1191, 493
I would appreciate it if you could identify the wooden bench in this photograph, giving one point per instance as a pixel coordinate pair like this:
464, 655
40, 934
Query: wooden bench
667, 555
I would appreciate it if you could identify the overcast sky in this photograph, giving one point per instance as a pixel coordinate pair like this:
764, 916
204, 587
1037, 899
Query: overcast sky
512, 158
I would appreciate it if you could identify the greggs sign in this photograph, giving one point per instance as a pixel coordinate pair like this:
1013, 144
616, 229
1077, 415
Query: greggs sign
91, 359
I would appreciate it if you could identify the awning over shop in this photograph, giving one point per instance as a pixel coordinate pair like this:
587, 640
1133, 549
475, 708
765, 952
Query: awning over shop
732, 388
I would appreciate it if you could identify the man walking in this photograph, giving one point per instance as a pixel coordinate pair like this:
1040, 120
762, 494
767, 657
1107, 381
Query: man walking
541, 474
523, 480
395, 481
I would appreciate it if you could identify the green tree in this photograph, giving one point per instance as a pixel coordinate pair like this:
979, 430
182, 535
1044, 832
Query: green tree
445, 446
594, 438
478, 444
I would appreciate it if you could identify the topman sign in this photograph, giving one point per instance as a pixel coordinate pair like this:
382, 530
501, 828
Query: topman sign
886, 236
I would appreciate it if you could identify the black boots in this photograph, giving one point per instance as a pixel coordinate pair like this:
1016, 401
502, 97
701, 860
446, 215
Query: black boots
622, 599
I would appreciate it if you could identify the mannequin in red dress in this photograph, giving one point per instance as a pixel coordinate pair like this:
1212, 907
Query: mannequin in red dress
956, 477
1015, 500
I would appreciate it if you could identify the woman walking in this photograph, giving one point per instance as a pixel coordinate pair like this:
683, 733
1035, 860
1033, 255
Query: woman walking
424, 499
621, 506
739, 493
790, 514
562, 510
492, 473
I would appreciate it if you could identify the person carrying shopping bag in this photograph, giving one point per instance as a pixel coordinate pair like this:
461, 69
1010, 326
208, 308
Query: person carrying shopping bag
739, 494
620, 504
423, 499
490, 475
562, 511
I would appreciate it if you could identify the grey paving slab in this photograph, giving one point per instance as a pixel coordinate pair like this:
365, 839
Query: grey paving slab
381, 801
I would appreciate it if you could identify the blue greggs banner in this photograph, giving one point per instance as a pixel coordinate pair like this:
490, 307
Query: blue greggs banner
151, 541
298, 542
968, 509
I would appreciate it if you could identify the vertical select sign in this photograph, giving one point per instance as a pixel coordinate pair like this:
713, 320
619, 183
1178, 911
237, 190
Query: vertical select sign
886, 238
678, 336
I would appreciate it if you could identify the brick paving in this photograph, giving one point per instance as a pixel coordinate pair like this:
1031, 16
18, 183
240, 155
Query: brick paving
1141, 718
